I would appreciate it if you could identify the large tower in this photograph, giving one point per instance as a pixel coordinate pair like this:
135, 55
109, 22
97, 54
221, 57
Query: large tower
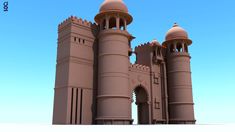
179, 76
75, 72
113, 97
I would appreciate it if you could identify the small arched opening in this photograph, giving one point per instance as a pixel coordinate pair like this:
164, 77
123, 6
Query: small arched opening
103, 25
140, 106
186, 48
179, 47
172, 49
122, 24
159, 51
112, 23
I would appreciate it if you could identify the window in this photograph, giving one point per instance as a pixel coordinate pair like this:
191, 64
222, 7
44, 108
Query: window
159, 51
122, 25
156, 104
186, 48
156, 79
172, 48
154, 54
112, 23
179, 47
104, 24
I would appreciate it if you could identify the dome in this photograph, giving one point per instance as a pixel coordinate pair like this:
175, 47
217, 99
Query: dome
113, 5
155, 43
176, 32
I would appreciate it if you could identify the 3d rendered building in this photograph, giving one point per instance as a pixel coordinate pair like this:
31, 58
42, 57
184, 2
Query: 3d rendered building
95, 79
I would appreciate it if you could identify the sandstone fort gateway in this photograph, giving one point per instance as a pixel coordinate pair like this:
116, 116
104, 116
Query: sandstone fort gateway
95, 79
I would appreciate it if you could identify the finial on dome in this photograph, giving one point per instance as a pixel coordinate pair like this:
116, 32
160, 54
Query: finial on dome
154, 41
175, 25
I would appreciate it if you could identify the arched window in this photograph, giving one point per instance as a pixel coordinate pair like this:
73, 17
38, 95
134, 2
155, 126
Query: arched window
103, 25
154, 54
186, 48
172, 48
179, 47
159, 51
122, 24
112, 23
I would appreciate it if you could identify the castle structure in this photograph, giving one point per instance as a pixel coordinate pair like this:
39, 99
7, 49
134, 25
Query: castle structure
95, 79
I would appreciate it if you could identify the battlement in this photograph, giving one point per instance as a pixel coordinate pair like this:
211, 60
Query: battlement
75, 20
146, 46
143, 47
138, 67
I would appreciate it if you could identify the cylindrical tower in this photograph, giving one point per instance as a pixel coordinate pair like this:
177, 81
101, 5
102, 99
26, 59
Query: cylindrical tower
113, 98
181, 110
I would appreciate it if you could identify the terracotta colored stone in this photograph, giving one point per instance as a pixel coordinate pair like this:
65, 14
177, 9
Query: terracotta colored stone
95, 79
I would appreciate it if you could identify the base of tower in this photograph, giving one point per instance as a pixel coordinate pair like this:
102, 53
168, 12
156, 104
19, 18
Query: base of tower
114, 121
175, 121
159, 122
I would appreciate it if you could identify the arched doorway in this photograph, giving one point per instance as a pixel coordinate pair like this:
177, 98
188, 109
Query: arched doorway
140, 98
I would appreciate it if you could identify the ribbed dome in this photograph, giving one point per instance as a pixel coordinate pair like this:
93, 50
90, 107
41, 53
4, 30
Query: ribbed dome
113, 5
176, 32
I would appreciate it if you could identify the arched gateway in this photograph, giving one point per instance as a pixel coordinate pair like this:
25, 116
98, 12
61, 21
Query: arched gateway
142, 102
95, 79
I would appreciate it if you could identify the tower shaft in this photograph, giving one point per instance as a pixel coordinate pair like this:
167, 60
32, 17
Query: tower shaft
114, 103
180, 89
180, 98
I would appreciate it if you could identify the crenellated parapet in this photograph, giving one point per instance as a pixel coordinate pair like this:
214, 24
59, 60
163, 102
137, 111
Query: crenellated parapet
147, 46
138, 67
78, 21
143, 47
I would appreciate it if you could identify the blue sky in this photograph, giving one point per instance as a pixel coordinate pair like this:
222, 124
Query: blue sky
28, 39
